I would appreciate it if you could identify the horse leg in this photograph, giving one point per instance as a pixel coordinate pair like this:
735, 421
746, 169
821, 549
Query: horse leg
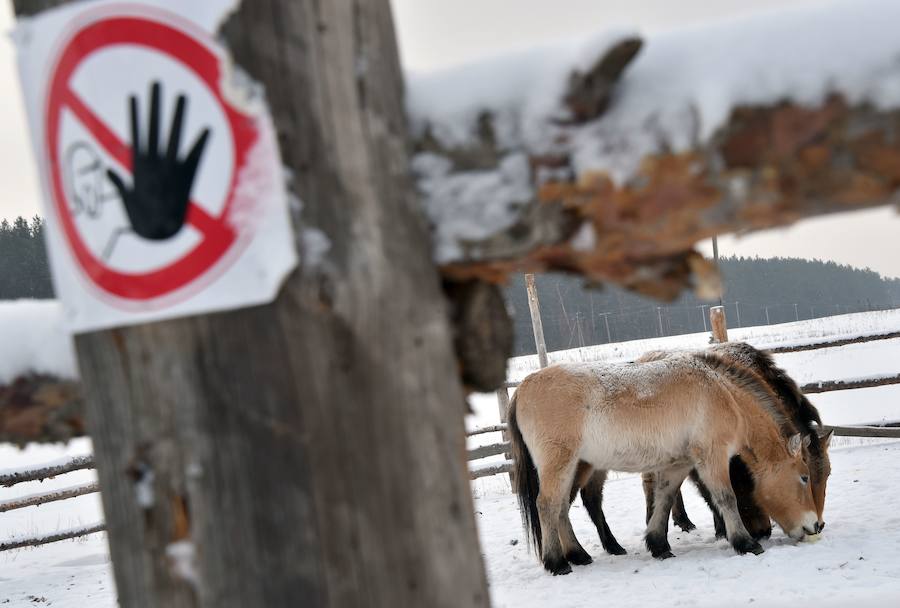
714, 474
556, 478
755, 519
572, 549
648, 480
592, 498
665, 485
679, 514
718, 522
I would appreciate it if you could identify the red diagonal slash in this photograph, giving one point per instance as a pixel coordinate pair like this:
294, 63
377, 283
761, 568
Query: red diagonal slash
197, 215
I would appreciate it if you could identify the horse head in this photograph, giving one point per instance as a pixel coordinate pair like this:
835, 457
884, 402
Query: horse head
783, 489
819, 471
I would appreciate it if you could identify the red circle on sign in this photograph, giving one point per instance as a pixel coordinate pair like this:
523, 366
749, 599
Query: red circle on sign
218, 236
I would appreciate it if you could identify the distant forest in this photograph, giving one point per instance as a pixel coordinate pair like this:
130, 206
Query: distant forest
24, 272
757, 292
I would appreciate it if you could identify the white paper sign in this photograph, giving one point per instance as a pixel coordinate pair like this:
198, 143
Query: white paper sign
163, 185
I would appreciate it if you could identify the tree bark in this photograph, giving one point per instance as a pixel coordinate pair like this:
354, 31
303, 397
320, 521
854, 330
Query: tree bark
231, 430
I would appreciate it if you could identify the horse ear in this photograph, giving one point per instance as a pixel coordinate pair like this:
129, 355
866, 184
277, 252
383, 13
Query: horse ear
794, 444
807, 439
825, 439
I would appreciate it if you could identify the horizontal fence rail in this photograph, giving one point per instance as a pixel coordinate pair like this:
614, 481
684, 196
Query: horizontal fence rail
48, 497
40, 473
491, 469
844, 385
833, 343
824, 386
488, 450
78, 463
37, 541
839, 431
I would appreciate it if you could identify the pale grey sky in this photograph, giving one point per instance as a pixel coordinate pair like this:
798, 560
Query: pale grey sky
440, 33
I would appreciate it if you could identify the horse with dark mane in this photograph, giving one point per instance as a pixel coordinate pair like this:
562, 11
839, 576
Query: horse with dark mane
792, 406
669, 416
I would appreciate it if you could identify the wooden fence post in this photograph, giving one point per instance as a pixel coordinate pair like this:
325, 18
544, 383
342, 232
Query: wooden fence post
719, 323
503, 406
534, 306
307, 452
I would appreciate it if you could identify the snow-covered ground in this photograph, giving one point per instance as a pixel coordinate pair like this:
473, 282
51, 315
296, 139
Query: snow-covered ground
67, 574
862, 522
855, 564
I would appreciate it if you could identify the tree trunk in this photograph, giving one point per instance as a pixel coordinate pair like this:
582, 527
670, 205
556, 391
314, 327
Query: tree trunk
311, 451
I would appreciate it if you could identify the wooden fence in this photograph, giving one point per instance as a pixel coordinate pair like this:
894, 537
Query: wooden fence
503, 447
39, 474
474, 454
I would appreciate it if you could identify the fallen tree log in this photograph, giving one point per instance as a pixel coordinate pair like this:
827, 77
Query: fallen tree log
613, 167
39, 407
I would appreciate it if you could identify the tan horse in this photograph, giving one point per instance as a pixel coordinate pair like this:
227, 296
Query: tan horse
795, 414
667, 416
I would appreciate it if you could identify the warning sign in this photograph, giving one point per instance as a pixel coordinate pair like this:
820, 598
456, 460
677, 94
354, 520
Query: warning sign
163, 184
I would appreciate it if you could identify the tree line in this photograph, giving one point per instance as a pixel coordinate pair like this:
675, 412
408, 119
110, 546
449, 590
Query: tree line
757, 292
25, 271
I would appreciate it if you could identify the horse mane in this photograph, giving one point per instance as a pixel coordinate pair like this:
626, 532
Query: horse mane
801, 411
745, 378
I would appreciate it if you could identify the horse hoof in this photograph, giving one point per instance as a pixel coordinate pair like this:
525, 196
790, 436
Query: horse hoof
617, 550
686, 526
557, 567
762, 533
579, 558
748, 545
664, 555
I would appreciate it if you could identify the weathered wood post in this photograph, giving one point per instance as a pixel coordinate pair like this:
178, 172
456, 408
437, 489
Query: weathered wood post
503, 406
308, 452
534, 307
718, 323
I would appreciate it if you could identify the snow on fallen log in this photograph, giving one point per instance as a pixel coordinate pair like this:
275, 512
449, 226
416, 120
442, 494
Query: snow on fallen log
11, 477
43, 498
40, 399
33, 341
51, 538
731, 126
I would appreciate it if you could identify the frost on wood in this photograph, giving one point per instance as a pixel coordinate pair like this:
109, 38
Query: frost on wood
658, 143
47, 470
43, 498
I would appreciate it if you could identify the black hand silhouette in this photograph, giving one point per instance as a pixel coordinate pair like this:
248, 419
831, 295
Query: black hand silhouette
158, 199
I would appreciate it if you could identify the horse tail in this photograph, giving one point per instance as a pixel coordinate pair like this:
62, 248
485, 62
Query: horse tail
526, 480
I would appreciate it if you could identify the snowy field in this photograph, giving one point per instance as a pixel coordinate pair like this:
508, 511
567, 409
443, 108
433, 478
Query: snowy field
855, 564
855, 561
67, 574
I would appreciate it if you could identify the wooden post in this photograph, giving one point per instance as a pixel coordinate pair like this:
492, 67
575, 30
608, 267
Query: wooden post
307, 452
534, 306
503, 405
719, 324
